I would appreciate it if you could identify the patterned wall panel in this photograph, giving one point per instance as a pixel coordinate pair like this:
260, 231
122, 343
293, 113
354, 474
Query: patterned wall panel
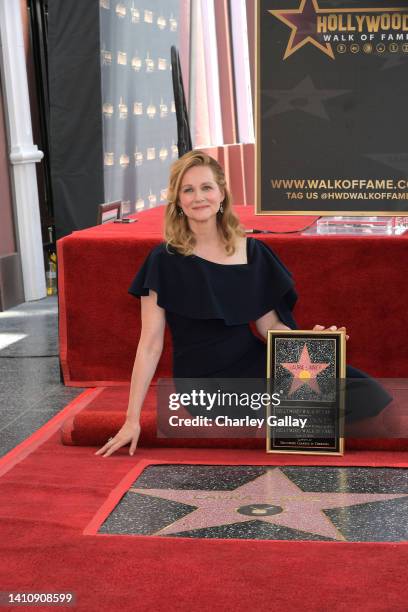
140, 130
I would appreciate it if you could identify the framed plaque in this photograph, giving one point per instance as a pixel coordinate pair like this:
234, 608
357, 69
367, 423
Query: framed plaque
306, 376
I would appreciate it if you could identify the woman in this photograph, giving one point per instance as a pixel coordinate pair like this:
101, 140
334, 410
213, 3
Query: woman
208, 281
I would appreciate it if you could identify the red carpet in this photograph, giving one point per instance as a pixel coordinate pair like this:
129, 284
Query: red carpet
51, 493
61, 491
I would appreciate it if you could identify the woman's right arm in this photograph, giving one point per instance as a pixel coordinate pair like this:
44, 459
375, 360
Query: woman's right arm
148, 353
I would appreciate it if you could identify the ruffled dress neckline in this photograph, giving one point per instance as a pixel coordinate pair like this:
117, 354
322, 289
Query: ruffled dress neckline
196, 288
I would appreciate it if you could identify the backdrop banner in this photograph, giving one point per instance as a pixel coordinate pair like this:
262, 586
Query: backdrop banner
113, 128
139, 112
331, 96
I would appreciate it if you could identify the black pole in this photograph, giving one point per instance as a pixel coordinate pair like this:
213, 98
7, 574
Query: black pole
184, 143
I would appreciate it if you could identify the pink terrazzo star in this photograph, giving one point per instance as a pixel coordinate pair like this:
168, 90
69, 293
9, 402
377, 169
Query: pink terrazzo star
301, 510
304, 372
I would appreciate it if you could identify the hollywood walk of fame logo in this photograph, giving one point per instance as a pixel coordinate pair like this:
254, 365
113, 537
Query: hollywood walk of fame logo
306, 22
304, 372
272, 498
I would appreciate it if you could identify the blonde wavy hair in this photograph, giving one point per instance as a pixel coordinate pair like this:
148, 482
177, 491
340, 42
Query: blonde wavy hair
177, 231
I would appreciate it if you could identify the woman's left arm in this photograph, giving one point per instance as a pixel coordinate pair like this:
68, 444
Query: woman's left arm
270, 320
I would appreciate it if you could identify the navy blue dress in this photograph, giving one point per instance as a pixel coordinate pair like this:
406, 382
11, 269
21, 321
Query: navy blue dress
209, 307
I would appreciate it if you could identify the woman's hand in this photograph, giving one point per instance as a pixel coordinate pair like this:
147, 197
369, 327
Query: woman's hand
129, 432
332, 328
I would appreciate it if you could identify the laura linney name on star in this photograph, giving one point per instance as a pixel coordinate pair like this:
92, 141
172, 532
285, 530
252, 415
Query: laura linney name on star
225, 421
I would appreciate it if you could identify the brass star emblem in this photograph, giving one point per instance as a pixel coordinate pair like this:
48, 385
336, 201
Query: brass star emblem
301, 33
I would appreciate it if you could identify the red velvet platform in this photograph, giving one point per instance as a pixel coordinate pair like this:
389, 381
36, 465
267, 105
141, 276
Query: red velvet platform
359, 282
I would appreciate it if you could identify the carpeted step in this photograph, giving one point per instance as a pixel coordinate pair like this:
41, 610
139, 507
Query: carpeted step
105, 414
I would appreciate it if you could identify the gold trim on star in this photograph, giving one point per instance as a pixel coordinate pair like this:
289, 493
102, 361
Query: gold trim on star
290, 49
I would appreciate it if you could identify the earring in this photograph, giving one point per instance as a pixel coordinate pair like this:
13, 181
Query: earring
180, 212
221, 210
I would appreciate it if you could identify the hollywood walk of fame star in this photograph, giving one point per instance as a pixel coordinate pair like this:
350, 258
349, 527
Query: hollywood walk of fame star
397, 161
272, 498
303, 23
304, 372
394, 61
304, 97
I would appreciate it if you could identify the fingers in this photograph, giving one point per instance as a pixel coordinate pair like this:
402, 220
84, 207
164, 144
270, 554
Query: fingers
331, 328
134, 442
110, 447
121, 439
133, 445
102, 450
114, 447
344, 329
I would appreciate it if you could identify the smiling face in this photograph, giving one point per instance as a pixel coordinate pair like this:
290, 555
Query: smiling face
199, 195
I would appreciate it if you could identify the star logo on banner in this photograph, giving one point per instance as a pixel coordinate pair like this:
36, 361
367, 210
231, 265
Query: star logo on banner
393, 61
303, 25
304, 372
396, 161
272, 498
303, 97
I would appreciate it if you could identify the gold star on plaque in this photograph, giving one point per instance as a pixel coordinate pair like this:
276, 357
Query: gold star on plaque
299, 22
